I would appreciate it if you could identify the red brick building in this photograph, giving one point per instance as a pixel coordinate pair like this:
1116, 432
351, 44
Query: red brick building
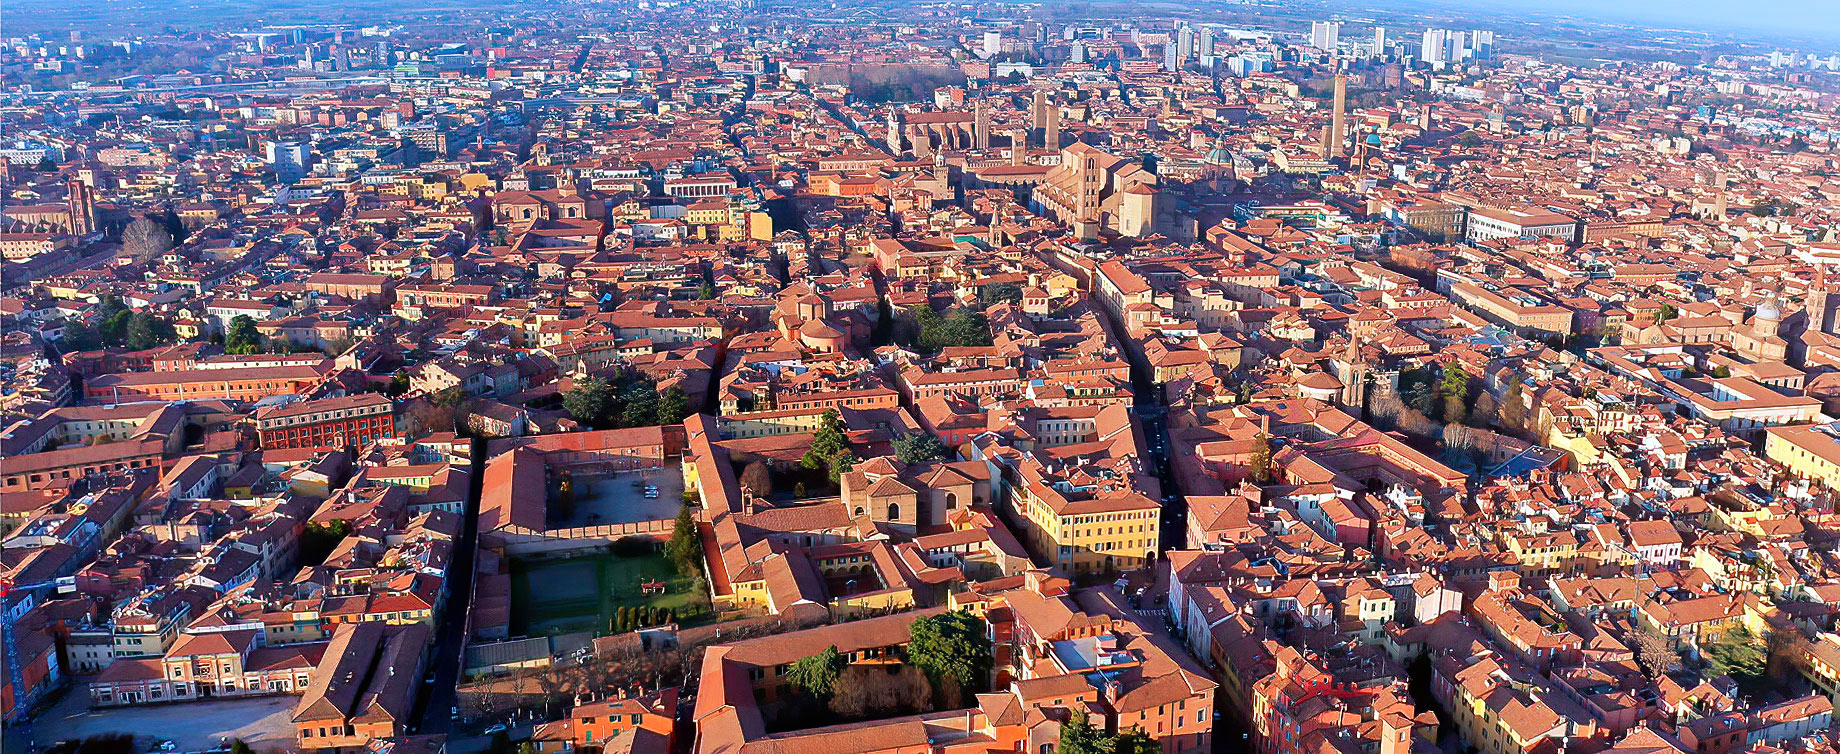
347, 420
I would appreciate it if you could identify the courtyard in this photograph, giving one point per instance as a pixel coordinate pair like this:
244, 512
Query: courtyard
265, 723
619, 497
582, 593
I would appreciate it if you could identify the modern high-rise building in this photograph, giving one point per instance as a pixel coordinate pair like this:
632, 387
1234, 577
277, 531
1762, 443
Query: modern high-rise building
1324, 35
289, 158
1483, 43
993, 43
1249, 63
1207, 42
1436, 46
1379, 41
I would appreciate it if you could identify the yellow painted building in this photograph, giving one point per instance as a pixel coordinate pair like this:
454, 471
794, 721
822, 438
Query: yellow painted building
1496, 715
1821, 666
1542, 554
1806, 451
1083, 533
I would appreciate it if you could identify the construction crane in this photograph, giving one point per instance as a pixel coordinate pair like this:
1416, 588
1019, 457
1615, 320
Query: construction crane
23, 698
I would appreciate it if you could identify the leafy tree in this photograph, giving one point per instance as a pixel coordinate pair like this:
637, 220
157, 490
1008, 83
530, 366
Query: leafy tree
1667, 312
963, 327
239, 746
79, 336
1721, 371
146, 331
591, 402
829, 439
638, 407
1453, 390
951, 647
706, 292
1415, 386
918, 447
685, 547
1135, 741
1078, 736
1258, 467
1000, 292
114, 328
931, 332
840, 465
830, 447
817, 674
399, 384
674, 406
242, 337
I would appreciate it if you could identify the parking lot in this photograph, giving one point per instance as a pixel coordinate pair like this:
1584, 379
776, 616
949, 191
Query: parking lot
264, 723
622, 498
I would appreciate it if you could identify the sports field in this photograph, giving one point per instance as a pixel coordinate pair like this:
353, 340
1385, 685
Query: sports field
582, 593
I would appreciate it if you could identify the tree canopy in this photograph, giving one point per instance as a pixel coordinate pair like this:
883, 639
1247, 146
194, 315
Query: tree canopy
960, 327
242, 337
951, 647
918, 447
817, 674
830, 447
685, 548
632, 401
1259, 465
1453, 390
118, 327
1078, 736
1000, 292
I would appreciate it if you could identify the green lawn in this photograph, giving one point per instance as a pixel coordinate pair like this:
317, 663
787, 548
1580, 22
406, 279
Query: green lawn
582, 593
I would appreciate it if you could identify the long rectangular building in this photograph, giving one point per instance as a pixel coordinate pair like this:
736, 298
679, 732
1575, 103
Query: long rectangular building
345, 420
249, 384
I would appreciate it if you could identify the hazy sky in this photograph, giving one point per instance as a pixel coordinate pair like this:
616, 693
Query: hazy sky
1808, 19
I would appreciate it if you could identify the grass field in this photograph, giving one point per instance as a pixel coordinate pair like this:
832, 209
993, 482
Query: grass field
582, 593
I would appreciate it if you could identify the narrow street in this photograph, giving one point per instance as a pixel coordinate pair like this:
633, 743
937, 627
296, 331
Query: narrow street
1153, 422
445, 658
1232, 733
